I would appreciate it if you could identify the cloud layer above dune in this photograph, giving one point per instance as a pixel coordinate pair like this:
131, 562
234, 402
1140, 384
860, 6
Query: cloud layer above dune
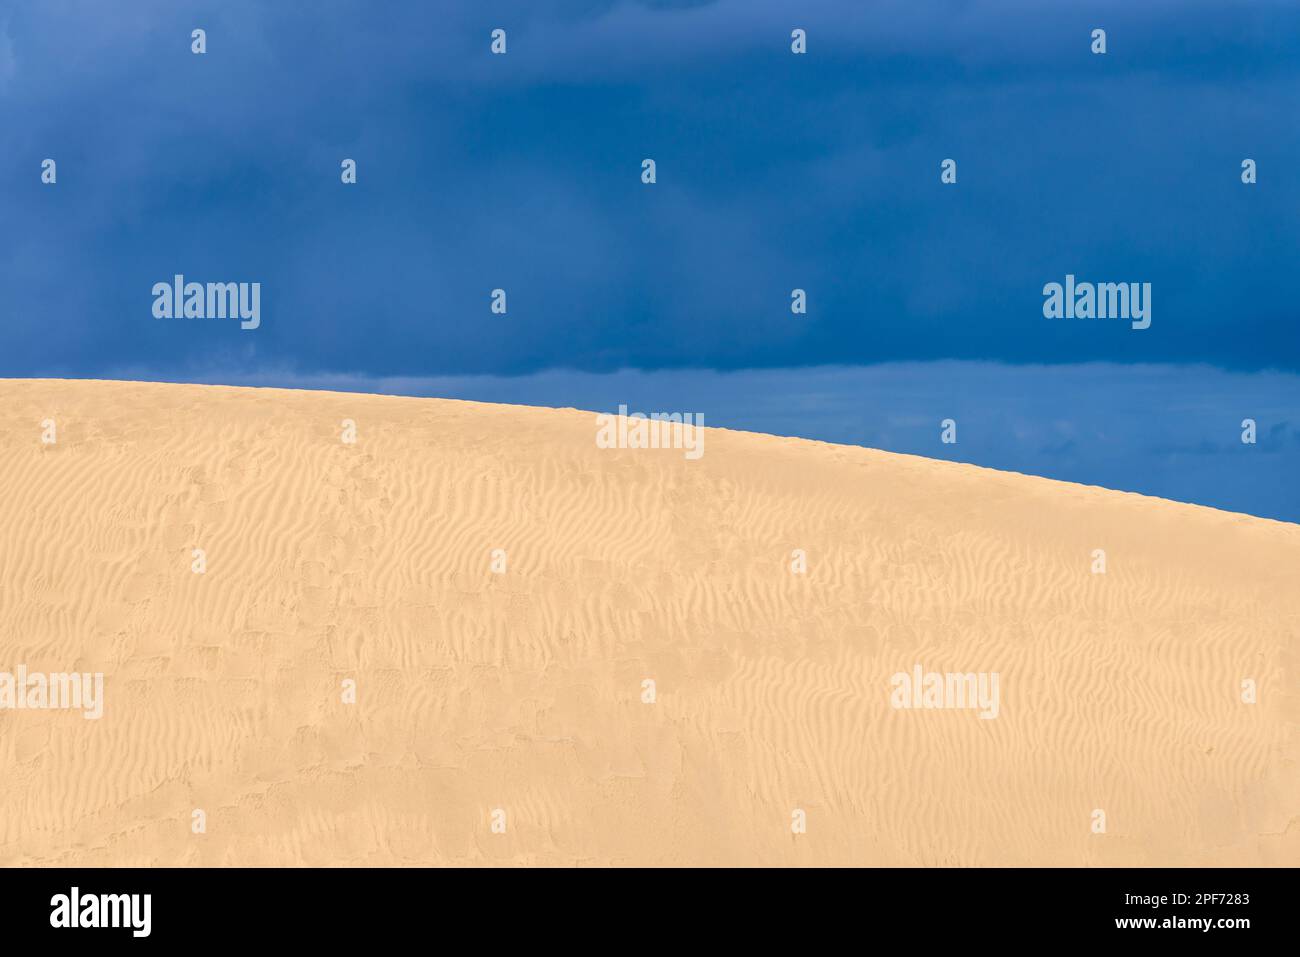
521, 172
1169, 431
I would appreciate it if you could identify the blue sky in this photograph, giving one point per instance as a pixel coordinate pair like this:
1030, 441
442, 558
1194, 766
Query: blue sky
775, 171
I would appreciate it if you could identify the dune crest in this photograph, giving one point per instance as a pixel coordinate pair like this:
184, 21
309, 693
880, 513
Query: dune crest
497, 594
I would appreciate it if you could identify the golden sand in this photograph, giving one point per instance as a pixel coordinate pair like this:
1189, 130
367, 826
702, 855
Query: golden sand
524, 691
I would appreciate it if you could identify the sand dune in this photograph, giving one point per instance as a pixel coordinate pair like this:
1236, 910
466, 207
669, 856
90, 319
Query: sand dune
523, 691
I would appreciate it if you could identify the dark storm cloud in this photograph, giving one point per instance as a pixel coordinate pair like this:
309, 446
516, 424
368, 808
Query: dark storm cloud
522, 172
